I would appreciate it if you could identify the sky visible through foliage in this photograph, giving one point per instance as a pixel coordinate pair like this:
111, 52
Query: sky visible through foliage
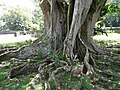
21, 3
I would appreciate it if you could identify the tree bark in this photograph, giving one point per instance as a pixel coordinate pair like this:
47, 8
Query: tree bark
81, 17
25, 52
80, 8
68, 28
89, 23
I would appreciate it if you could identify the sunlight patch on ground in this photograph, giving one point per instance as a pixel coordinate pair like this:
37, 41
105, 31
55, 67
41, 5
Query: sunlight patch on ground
110, 37
10, 38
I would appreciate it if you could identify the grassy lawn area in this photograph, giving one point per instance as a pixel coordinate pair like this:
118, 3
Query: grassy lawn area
18, 83
107, 74
11, 39
111, 39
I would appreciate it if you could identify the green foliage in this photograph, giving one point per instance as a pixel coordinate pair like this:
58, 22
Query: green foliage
112, 20
33, 26
52, 84
71, 81
85, 83
12, 84
15, 18
38, 55
109, 8
37, 15
38, 19
110, 15
57, 55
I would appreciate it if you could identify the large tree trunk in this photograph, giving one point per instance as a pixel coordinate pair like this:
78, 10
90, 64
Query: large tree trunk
68, 26
55, 21
71, 26
67, 22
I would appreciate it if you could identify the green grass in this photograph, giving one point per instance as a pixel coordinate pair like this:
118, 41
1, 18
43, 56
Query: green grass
111, 39
100, 81
17, 44
108, 63
18, 83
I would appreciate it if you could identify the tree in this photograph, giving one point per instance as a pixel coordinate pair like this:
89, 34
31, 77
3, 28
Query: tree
37, 15
18, 18
68, 25
109, 17
15, 18
112, 15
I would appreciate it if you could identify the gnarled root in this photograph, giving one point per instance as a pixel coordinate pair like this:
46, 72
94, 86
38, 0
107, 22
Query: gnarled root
7, 49
53, 71
87, 58
24, 52
27, 67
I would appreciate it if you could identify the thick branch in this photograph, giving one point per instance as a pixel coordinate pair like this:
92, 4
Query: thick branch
80, 8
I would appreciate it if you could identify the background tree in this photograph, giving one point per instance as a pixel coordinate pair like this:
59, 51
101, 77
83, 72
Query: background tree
109, 17
37, 15
18, 18
15, 18
112, 12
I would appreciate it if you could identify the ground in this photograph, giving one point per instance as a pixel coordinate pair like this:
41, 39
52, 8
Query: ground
106, 76
107, 65
10, 38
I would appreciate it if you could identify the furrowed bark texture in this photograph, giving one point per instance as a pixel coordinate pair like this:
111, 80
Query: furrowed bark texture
80, 8
73, 24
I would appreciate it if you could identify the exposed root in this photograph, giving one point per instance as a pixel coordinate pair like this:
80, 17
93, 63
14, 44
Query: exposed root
25, 52
77, 70
7, 49
53, 71
55, 78
35, 81
16, 70
27, 67
86, 63
114, 46
22, 69
109, 74
48, 68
